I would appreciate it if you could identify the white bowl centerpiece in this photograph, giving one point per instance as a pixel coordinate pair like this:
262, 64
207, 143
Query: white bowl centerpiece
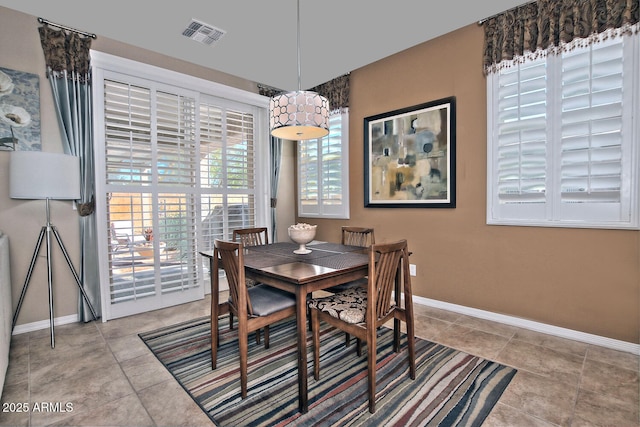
302, 233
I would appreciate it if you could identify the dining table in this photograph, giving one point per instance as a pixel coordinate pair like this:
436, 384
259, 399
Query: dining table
328, 264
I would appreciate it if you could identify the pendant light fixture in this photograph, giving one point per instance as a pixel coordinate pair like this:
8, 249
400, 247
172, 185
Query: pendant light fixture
301, 114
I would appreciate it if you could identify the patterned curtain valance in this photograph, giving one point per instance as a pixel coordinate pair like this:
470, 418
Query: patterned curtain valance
545, 26
336, 91
65, 52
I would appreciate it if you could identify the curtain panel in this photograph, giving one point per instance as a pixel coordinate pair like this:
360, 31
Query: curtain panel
548, 26
67, 58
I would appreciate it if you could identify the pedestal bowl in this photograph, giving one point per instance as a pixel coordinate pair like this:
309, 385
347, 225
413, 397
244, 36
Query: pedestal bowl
302, 234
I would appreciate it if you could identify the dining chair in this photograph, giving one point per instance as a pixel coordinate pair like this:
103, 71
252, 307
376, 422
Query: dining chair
361, 311
354, 236
253, 236
256, 307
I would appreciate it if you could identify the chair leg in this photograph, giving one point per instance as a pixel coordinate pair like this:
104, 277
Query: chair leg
371, 366
347, 339
359, 347
230, 320
244, 350
411, 343
316, 344
266, 336
258, 337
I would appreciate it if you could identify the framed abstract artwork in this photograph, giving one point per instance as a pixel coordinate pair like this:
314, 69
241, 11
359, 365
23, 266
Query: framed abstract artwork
410, 156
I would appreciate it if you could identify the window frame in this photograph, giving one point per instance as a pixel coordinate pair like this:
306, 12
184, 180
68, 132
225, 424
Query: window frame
105, 65
550, 212
320, 209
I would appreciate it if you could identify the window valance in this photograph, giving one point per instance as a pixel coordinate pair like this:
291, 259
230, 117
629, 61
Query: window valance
545, 26
335, 90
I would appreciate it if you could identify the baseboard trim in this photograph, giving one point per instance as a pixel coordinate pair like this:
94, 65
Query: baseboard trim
44, 324
534, 326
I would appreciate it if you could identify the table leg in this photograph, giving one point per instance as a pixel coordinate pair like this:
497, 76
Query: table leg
301, 316
213, 270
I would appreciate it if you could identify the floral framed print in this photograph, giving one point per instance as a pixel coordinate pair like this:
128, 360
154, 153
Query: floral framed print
19, 110
410, 156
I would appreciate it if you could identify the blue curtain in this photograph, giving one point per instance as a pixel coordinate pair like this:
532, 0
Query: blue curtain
276, 159
68, 70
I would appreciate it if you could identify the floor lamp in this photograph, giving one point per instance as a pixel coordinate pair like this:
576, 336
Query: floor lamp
38, 175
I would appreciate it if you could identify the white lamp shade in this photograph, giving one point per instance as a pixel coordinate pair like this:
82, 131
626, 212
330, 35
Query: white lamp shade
299, 115
42, 175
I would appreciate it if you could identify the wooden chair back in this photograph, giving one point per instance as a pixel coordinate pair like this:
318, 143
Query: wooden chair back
255, 236
231, 258
387, 262
358, 236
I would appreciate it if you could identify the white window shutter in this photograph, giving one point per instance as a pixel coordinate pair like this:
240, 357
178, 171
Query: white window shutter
561, 136
323, 172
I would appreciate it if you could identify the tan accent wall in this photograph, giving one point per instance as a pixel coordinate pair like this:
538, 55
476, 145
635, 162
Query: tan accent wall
581, 279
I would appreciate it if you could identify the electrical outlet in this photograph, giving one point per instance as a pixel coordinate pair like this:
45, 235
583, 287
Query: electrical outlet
412, 269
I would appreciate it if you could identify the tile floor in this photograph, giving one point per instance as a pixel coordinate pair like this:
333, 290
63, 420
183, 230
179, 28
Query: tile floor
102, 374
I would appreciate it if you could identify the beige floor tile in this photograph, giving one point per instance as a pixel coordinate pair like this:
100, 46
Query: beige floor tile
505, 416
473, 341
542, 360
542, 397
594, 409
556, 343
429, 328
18, 369
487, 326
69, 366
145, 371
127, 411
614, 357
15, 410
610, 380
436, 313
169, 405
87, 392
127, 347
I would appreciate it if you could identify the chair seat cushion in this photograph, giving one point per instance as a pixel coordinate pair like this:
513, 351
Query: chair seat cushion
349, 306
266, 300
344, 286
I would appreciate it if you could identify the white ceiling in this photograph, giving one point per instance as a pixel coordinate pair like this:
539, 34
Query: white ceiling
260, 44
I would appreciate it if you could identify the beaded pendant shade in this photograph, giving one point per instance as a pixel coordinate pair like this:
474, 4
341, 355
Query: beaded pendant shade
301, 114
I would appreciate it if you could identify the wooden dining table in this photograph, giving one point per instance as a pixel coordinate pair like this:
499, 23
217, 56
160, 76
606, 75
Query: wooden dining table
327, 265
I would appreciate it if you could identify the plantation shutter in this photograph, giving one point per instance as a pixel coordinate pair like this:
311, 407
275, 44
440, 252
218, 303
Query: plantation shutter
128, 124
323, 172
522, 135
150, 164
227, 170
592, 98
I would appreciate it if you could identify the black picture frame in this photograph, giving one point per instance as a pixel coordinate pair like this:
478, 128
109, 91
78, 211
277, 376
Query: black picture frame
410, 156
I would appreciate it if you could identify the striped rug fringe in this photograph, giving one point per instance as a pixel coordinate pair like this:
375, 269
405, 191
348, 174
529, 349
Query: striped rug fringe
451, 388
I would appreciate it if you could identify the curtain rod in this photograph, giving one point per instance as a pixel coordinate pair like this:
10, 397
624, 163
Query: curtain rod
482, 21
64, 27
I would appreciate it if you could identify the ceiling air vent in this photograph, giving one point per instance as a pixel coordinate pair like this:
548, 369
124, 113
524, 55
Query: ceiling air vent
203, 33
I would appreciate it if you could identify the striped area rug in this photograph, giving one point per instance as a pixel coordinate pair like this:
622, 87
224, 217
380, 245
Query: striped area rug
451, 388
